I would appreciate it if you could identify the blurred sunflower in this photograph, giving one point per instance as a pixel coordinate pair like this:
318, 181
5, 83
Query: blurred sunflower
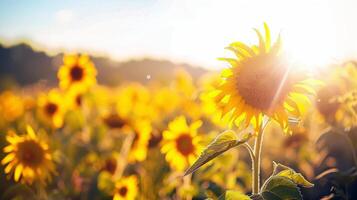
183, 82
142, 131
52, 108
335, 101
181, 144
28, 158
126, 188
110, 165
327, 104
74, 98
78, 72
160, 96
260, 83
135, 100
115, 121
209, 108
11, 106
297, 140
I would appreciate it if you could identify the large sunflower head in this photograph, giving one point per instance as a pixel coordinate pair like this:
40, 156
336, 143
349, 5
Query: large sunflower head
260, 83
28, 158
78, 72
181, 143
52, 108
126, 188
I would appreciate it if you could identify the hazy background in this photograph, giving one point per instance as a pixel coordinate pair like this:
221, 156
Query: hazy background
315, 32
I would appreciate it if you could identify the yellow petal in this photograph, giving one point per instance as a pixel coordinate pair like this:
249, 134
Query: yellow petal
243, 48
18, 172
30, 132
9, 167
261, 41
8, 158
8, 148
226, 73
267, 37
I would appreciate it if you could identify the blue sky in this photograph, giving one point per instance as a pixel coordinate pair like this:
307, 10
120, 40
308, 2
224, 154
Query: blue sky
315, 32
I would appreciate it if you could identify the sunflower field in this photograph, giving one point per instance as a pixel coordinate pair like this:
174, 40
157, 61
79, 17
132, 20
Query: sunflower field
258, 130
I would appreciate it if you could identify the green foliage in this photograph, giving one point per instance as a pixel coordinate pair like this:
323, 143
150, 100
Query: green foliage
289, 173
281, 185
280, 188
222, 143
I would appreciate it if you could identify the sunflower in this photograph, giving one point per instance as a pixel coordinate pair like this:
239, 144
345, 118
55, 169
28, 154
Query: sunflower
181, 144
336, 101
142, 131
78, 72
298, 139
28, 158
183, 82
110, 165
260, 83
160, 96
210, 109
52, 108
134, 100
126, 188
74, 98
327, 104
115, 121
11, 106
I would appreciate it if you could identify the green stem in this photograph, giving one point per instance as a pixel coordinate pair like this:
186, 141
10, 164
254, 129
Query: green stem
258, 144
256, 163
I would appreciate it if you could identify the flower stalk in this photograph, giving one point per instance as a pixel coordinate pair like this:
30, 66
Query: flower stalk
256, 158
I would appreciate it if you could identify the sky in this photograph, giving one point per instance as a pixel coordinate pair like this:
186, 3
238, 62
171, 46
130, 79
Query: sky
314, 32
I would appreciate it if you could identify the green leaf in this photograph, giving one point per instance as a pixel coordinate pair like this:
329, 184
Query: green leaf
289, 173
280, 188
297, 178
233, 195
219, 145
257, 197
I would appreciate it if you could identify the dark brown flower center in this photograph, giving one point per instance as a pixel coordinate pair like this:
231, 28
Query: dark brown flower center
30, 153
184, 144
295, 141
110, 165
263, 81
114, 121
76, 73
51, 109
79, 100
123, 191
155, 139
